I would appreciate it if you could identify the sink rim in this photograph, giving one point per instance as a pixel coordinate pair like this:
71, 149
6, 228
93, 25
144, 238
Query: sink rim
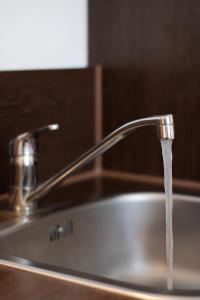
85, 279
12, 225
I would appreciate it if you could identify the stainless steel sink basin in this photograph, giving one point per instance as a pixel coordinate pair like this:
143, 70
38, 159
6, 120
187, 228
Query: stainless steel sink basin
116, 244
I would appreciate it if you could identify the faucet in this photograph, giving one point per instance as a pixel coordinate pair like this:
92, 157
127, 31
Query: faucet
24, 190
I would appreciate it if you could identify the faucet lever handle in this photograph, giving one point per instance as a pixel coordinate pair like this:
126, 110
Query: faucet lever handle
26, 143
44, 129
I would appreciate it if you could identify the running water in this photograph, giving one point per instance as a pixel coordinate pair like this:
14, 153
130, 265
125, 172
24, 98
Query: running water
167, 161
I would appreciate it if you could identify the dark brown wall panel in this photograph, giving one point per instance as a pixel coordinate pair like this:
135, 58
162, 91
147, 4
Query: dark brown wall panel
30, 99
151, 58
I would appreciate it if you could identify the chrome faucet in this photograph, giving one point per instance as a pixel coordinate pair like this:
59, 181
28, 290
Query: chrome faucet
24, 190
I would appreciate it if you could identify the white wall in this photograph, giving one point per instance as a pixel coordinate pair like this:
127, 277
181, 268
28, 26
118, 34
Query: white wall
43, 34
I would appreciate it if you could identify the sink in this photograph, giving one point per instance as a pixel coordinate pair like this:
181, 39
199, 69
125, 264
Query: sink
115, 244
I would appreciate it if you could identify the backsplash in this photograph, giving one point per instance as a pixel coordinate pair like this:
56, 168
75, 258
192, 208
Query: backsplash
31, 99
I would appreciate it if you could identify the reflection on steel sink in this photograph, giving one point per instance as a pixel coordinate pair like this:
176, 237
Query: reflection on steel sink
116, 244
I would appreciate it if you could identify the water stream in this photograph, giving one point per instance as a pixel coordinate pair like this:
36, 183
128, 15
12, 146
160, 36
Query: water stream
167, 161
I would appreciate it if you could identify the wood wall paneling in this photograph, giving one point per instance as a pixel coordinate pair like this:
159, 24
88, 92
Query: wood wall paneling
151, 58
30, 99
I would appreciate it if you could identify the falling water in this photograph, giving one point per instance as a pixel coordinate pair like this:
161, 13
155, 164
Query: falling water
167, 161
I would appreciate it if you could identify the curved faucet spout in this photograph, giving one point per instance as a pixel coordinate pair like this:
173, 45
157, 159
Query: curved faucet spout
165, 127
24, 190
